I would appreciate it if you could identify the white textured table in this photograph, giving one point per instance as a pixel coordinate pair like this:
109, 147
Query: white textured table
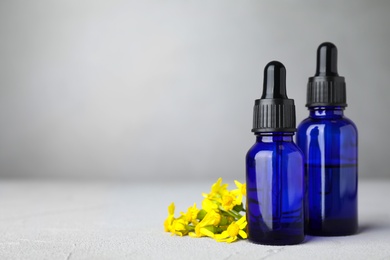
97, 220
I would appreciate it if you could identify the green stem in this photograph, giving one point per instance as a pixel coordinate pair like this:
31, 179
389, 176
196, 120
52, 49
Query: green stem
232, 213
238, 215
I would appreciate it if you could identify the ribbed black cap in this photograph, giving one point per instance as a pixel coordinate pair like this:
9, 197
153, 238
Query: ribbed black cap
326, 88
274, 112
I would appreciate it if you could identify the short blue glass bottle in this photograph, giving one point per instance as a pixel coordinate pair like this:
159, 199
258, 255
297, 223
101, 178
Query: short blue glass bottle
329, 141
275, 167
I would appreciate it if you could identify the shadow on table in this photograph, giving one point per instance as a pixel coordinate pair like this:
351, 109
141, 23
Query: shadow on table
364, 228
370, 227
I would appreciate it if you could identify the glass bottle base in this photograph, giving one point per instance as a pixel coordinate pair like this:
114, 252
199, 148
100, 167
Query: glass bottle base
283, 242
332, 227
277, 239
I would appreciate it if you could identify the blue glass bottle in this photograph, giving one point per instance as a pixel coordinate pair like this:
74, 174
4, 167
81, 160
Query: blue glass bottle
329, 141
275, 167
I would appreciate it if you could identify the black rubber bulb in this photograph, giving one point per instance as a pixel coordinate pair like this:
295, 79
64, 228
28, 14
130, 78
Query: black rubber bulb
326, 60
274, 85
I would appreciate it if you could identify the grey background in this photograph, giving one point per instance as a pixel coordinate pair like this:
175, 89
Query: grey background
164, 90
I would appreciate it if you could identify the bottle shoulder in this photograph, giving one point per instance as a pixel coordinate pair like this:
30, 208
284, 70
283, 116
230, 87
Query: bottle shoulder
285, 147
342, 122
327, 128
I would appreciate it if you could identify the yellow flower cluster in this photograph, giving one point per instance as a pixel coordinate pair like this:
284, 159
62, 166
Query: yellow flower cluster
220, 216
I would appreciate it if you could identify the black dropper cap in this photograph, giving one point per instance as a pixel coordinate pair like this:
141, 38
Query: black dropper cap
326, 88
274, 112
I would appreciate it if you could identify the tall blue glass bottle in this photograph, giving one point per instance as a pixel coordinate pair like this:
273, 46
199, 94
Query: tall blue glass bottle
329, 141
275, 167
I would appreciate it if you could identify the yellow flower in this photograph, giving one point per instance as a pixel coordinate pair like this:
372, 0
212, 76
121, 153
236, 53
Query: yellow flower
171, 209
218, 187
211, 218
217, 190
220, 210
179, 227
207, 231
239, 192
191, 214
241, 187
229, 200
235, 229
209, 205
169, 220
207, 226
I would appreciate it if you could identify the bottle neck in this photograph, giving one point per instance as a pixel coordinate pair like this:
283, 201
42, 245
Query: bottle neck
326, 112
274, 137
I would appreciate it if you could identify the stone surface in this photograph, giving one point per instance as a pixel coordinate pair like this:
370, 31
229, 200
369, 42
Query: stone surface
97, 220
